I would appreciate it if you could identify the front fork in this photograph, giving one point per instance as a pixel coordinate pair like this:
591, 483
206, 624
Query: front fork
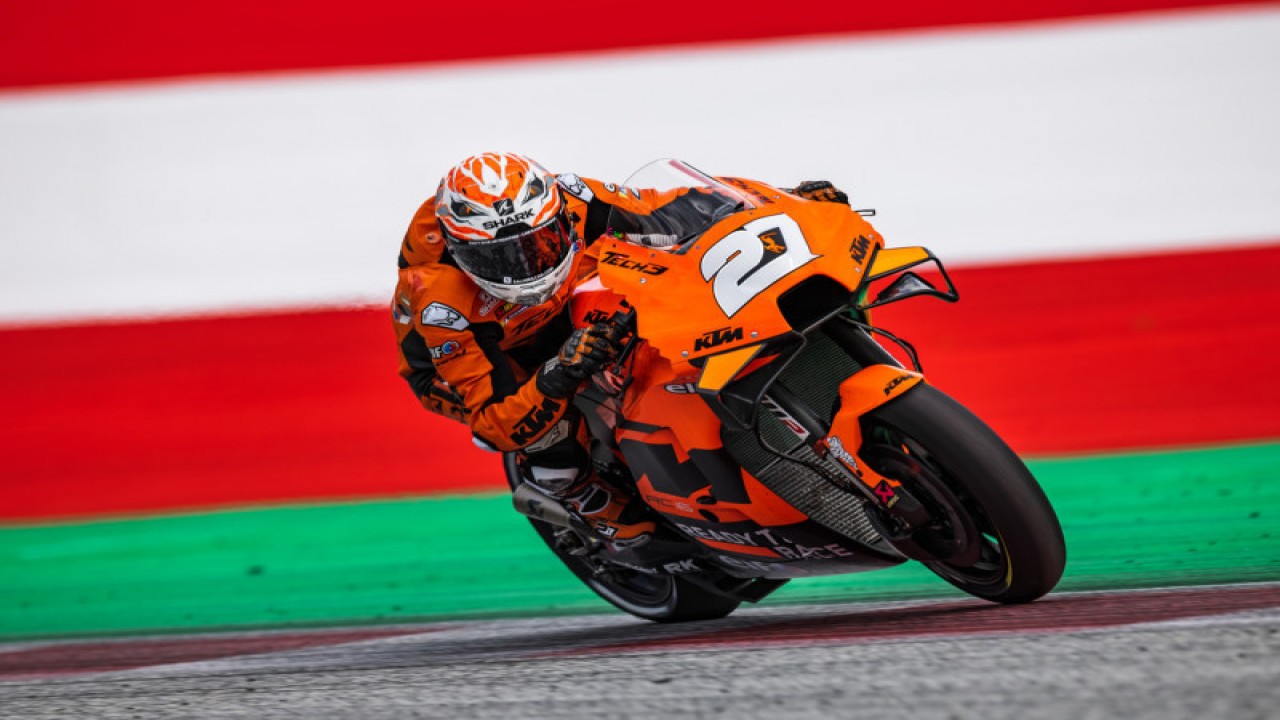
880, 380
861, 393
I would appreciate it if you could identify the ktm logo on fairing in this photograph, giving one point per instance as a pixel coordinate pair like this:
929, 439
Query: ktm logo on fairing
895, 383
717, 337
858, 250
512, 220
622, 261
535, 421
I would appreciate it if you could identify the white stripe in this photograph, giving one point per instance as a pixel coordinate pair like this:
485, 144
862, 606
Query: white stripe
1077, 138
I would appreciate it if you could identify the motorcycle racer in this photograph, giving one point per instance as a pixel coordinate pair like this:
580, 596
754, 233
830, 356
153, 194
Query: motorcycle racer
485, 272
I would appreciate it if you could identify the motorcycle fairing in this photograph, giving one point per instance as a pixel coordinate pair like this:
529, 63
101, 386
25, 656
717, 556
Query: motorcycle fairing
713, 501
719, 291
692, 480
697, 484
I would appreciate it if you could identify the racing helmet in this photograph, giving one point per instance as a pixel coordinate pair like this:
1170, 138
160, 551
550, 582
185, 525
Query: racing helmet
505, 223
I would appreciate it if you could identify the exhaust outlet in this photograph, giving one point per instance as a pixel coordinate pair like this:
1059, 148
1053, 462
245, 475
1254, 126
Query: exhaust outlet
532, 502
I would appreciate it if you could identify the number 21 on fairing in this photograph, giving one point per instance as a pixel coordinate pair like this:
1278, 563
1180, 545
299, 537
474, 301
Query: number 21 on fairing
747, 261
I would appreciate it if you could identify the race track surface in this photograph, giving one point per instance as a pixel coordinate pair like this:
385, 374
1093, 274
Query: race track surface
1207, 652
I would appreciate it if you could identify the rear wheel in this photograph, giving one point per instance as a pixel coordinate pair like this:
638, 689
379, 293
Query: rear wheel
656, 596
993, 533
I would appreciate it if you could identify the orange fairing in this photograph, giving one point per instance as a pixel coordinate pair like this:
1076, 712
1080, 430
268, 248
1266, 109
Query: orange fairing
722, 368
720, 292
890, 260
764, 508
865, 391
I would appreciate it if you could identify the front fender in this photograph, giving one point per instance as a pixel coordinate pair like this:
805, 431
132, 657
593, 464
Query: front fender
861, 393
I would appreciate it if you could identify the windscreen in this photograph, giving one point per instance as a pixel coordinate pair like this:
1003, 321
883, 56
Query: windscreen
690, 202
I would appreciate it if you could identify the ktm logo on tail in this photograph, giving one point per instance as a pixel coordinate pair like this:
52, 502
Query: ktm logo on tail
717, 337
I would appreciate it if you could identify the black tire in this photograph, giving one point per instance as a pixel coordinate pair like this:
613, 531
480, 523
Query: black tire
658, 597
1020, 553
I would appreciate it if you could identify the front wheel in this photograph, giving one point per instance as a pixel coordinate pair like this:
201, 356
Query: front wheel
993, 534
655, 596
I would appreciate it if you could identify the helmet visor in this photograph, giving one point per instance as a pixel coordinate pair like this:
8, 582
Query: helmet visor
516, 258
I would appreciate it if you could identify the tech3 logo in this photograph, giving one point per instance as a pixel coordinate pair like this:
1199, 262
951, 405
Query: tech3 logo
625, 262
749, 260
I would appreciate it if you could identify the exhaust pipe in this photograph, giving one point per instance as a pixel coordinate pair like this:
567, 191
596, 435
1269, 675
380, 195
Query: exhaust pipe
529, 500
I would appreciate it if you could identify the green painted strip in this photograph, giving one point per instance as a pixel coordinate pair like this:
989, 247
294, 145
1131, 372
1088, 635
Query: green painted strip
1136, 520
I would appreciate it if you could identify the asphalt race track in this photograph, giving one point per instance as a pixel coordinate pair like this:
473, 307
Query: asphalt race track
1206, 652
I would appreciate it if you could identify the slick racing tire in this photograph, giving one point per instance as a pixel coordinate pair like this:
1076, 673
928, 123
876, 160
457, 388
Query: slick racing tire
995, 533
659, 597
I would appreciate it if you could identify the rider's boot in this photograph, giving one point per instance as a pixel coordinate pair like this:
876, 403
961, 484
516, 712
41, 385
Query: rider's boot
608, 511
565, 472
612, 514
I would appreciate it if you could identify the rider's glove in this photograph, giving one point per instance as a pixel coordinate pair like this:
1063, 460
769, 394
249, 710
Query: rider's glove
586, 351
822, 191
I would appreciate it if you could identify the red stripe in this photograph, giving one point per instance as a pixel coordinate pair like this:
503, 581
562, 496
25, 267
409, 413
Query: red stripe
1089, 355
81, 41
210, 412
1058, 357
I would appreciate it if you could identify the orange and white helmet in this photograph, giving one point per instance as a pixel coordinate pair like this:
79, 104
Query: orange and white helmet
505, 223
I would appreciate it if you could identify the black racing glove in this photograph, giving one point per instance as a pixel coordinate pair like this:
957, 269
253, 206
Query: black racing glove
822, 191
586, 351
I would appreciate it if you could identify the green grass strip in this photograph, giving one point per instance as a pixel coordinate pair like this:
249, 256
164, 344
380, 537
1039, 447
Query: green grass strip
1133, 520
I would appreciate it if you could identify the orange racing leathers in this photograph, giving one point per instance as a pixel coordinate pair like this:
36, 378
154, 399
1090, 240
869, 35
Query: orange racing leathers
471, 356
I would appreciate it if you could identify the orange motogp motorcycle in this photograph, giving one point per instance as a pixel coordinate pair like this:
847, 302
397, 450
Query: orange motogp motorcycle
754, 408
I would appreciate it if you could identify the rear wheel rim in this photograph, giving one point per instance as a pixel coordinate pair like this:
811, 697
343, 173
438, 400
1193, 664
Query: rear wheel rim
637, 590
642, 593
